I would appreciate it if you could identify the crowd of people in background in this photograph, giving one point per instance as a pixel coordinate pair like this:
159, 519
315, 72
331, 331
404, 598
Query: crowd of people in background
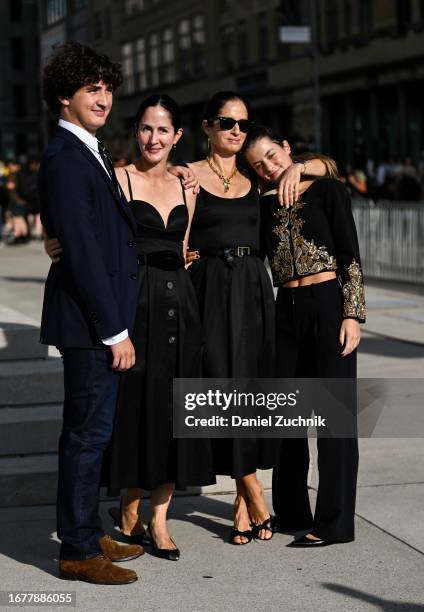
19, 206
387, 180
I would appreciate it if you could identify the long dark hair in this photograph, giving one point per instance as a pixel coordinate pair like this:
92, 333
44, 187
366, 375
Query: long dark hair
216, 102
165, 102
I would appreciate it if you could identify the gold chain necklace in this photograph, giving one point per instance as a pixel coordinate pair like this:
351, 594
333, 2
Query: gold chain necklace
226, 181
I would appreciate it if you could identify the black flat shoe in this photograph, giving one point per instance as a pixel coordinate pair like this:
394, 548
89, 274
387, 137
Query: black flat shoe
245, 534
172, 554
305, 542
268, 525
138, 538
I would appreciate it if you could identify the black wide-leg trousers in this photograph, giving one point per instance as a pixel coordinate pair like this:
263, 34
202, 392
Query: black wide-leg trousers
308, 328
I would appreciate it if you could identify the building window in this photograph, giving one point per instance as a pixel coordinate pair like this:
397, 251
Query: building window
19, 100
198, 44
133, 6
404, 15
332, 19
78, 5
263, 36
98, 24
184, 46
198, 30
154, 58
366, 18
348, 19
15, 10
17, 53
107, 23
128, 68
141, 63
168, 56
184, 34
242, 44
191, 42
55, 11
228, 46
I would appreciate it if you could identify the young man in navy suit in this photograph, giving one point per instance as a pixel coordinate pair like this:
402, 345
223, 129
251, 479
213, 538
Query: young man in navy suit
89, 301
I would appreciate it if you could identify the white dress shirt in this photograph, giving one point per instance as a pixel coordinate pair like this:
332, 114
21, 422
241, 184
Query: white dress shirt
92, 144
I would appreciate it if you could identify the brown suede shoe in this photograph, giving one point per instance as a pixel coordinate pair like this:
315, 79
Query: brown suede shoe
117, 552
97, 570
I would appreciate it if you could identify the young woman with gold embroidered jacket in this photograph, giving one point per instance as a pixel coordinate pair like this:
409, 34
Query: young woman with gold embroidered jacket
314, 257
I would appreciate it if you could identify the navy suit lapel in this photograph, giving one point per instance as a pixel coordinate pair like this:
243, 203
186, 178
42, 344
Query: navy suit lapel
119, 199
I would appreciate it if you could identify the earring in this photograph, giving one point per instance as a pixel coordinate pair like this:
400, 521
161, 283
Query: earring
209, 145
174, 146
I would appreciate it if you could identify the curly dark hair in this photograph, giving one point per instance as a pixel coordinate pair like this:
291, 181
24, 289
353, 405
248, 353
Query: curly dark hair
72, 66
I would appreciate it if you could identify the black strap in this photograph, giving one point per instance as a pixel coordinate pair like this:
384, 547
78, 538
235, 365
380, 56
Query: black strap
106, 159
129, 184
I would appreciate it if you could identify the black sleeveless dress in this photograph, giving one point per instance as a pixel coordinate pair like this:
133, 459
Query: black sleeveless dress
236, 303
168, 342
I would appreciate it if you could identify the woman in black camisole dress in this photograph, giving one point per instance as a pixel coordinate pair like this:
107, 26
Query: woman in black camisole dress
167, 337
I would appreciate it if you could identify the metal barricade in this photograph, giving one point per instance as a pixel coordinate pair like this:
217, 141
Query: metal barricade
391, 238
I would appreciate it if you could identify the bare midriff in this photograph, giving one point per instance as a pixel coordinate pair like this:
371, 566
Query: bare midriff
311, 279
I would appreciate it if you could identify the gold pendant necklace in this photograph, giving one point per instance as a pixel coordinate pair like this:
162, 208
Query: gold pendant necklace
226, 181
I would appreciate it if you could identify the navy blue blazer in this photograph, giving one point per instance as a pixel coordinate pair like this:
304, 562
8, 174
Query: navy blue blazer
91, 293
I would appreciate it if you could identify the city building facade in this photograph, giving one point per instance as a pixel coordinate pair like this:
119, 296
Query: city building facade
369, 59
20, 106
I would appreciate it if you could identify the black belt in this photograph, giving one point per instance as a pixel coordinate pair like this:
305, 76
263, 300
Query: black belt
165, 260
230, 254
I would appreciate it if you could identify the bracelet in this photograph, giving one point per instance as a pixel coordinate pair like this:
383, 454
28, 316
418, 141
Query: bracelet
301, 161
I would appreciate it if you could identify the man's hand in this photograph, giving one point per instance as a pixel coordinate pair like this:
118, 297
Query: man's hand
123, 355
288, 188
350, 336
53, 248
187, 176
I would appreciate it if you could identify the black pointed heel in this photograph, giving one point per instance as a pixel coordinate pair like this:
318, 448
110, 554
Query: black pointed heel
116, 516
305, 542
171, 554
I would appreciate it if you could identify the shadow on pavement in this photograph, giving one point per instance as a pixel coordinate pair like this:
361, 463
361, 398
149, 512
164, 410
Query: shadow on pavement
386, 605
388, 347
23, 279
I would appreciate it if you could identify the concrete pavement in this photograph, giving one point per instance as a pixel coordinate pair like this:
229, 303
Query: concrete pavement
382, 570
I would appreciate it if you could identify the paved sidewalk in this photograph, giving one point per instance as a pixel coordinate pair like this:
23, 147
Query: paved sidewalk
382, 570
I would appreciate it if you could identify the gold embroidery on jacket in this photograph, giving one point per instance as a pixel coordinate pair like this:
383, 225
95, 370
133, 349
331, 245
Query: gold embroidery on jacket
282, 262
307, 257
354, 293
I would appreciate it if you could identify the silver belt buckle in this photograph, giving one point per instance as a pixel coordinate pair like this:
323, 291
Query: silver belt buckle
242, 251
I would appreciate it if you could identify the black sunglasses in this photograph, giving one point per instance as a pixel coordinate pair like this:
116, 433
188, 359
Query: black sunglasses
227, 123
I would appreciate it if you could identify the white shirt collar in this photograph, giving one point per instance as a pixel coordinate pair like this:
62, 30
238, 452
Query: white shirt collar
81, 133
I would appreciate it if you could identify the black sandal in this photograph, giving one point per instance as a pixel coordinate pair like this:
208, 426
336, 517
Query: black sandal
245, 534
268, 525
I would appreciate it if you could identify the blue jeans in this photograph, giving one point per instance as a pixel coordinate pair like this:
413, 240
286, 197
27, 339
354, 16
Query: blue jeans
91, 389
